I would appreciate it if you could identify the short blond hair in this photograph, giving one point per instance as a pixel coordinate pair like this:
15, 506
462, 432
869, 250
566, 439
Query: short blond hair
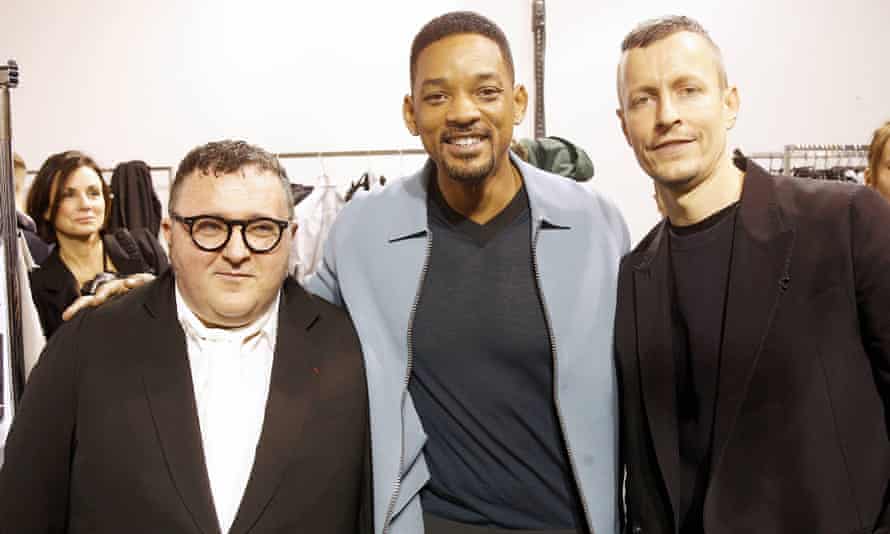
654, 30
876, 148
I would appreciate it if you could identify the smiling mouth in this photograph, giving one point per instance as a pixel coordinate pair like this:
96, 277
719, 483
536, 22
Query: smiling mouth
673, 143
465, 142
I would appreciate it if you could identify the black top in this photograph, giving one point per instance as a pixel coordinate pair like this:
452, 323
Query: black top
54, 287
700, 258
482, 379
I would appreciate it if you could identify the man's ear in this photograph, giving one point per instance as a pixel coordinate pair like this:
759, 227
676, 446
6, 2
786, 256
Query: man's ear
167, 230
620, 113
520, 103
731, 106
408, 114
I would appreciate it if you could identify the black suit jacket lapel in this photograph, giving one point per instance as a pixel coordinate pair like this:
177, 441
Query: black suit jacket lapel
170, 391
652, 282
292, 395
759, 275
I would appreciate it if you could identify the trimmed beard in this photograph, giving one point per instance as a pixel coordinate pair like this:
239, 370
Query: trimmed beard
470, 175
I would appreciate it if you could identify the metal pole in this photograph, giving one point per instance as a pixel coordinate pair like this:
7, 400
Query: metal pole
539, 28
9, 77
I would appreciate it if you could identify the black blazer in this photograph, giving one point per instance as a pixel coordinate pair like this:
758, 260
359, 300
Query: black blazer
107, 438
801, 426
54, 287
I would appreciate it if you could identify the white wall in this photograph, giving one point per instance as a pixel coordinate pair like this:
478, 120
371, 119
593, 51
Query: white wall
129, 79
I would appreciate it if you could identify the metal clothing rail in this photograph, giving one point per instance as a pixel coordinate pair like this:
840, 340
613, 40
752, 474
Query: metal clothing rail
352, 153
165, 168
824, 152
770, 157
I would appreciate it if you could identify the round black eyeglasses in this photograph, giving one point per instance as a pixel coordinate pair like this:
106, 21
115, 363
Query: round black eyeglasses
211, 233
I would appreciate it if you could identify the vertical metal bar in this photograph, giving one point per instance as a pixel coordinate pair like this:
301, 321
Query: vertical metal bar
538, 28
8, 232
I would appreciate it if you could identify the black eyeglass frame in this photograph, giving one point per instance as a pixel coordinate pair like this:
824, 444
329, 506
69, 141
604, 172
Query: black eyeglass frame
189, 223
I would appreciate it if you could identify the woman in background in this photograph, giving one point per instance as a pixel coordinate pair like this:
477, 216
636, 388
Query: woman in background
69, 201
877, 175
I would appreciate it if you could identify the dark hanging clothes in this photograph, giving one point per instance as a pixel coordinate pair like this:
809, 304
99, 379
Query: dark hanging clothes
135, 204
37, 247
700, 259
482, 378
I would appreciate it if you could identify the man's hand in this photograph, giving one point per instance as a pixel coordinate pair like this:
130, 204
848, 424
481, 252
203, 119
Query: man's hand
106, 291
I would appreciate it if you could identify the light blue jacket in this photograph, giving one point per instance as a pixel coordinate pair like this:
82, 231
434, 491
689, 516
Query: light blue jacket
375, 258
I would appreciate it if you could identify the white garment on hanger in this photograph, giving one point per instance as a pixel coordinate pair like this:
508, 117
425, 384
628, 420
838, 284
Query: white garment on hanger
314, 216
33, 339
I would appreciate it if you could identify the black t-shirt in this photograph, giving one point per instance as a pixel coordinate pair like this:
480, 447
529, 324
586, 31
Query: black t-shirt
700, 260
482, 379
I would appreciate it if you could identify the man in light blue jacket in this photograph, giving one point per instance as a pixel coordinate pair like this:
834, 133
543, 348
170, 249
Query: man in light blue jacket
483, 292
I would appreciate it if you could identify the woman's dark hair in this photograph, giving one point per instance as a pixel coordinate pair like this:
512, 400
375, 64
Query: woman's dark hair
55, 171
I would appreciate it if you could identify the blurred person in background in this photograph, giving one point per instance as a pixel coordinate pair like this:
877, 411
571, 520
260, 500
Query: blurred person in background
37, 247
877, 175
69, 202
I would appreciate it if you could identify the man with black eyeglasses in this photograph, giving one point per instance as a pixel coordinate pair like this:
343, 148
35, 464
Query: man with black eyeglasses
218, 398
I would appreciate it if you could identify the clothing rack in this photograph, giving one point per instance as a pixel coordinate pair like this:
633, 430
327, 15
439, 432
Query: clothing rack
824, 153
162, 168
322, 155
769, 158
352, 153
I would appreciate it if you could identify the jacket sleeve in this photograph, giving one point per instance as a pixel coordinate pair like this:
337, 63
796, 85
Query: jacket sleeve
870, 219
36, 472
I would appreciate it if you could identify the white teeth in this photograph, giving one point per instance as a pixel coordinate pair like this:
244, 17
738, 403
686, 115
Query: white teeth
466, 141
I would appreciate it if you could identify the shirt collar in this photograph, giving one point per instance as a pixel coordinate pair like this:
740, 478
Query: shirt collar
265, 326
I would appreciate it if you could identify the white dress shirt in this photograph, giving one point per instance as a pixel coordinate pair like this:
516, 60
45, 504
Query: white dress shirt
231, 372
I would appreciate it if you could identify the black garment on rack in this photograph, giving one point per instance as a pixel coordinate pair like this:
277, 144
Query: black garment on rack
135, 204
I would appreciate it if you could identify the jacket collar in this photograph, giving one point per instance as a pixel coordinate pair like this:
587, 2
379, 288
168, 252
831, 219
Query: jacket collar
759, 214
758, 277
292, 394
412, 221
55, 275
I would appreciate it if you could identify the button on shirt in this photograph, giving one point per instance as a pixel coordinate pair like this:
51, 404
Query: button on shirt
231, 371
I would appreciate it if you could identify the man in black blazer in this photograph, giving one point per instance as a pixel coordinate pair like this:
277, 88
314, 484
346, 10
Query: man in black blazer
218, 398
753, 323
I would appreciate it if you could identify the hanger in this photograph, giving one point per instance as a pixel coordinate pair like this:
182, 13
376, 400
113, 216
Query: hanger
325, 179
